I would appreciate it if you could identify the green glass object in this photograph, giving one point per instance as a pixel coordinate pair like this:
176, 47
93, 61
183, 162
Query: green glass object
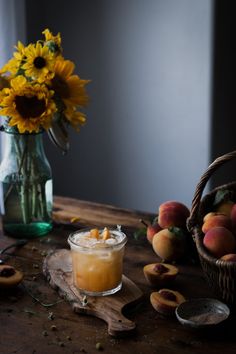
26, 186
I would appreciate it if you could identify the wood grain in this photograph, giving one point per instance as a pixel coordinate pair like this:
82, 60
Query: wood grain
88, 213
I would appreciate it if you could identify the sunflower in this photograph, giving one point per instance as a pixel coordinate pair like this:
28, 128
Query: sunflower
69, 87
15, 63
29, 106
71, 91
53, 42
39, 62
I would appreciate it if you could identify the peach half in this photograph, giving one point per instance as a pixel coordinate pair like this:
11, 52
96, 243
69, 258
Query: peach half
160, 274
165, 301
9, 276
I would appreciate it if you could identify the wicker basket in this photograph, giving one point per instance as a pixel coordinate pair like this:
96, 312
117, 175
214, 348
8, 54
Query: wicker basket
221, 275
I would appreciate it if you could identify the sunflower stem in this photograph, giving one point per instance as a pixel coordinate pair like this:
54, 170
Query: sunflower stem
34, 189
25, 193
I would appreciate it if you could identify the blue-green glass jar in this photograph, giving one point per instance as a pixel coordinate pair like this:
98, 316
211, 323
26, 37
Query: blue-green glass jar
26, 185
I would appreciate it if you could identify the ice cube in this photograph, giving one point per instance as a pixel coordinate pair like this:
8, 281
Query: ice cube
111, 241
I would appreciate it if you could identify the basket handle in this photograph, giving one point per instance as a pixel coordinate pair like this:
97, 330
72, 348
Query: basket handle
221, 160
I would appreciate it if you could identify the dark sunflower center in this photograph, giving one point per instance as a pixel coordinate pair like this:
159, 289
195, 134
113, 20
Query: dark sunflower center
39, 62
30, 107
60, 87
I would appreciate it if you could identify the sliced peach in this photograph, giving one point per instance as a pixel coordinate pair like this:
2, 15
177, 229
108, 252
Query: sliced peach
106, 234
160, 274
9, 276
165, 301
94, 233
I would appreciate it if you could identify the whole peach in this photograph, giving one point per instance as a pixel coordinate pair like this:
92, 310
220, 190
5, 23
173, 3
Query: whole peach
233, 217
169, 244
214, 219
219, 241
152, 230
172, 213
225, 208
210, 214
231, 257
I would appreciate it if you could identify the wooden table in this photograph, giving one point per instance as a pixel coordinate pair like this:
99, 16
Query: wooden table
28, 325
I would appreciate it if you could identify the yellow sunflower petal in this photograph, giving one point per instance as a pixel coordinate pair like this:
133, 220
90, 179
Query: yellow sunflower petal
18, 81
65, 67
75, 118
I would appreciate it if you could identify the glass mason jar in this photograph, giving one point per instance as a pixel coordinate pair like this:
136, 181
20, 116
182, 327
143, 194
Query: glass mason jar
26, 185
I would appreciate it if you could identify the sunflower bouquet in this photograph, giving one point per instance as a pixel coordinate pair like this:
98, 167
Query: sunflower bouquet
39, 91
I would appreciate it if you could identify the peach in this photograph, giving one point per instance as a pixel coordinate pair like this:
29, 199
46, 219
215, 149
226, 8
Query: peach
225, 207
169, 244
219, 241
9, 276
152, 230
211, 214
172, 213
165, 301
159, 274
233, 217
214, 220
231, 257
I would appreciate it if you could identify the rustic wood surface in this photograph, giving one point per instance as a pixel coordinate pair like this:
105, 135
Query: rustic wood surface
57, 267
34, 319
88, 213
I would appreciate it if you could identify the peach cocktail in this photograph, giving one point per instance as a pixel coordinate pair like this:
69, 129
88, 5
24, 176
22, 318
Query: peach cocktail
97, 260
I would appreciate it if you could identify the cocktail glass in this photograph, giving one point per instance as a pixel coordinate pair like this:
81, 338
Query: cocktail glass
97, 264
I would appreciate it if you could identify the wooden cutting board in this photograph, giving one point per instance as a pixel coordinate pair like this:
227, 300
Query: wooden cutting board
57, 267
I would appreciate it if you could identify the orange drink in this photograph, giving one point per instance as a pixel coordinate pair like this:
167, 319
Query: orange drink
97, 260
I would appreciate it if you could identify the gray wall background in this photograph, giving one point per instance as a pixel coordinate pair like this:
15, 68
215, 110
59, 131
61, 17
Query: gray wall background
12, 27
147, 135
